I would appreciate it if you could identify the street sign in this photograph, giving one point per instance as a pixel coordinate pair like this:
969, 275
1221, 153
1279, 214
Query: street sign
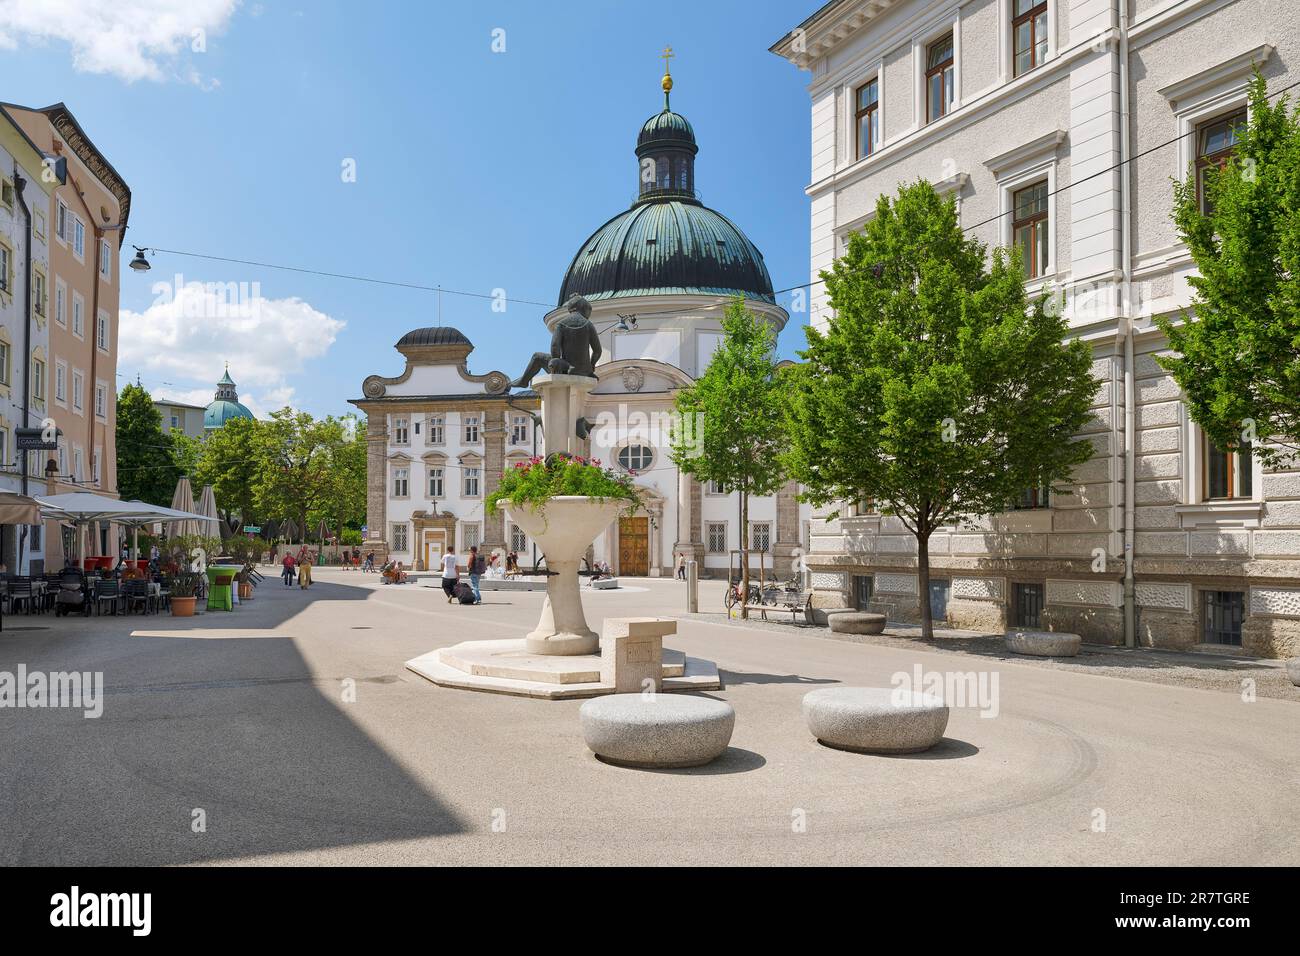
37, 439
252, 529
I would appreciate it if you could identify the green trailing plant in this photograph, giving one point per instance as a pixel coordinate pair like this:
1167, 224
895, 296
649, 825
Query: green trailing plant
532, 483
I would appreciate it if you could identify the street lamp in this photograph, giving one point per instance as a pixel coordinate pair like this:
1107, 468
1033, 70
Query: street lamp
139, 263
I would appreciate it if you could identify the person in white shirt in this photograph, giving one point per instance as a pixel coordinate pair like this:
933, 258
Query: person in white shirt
450, 574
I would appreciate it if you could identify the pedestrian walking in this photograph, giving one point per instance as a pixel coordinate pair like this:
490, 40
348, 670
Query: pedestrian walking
370, 562
304, 570
681, 567
450, 574
287, 570
477, 566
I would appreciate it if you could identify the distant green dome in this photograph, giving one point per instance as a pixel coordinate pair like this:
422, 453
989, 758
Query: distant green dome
220, 412
225, 404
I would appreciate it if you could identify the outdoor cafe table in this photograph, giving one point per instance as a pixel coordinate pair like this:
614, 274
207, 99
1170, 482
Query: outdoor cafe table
231, 569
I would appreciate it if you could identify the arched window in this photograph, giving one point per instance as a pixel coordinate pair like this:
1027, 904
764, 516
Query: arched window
663, 166
636, 457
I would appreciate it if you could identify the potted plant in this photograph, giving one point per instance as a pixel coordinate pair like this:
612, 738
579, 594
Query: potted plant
562, 502
183, 589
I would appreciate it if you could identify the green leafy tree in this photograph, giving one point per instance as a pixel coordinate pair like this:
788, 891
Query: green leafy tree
146, 468
344, 503
732, 429
938, 390
231, 460
298, 456
1238, 358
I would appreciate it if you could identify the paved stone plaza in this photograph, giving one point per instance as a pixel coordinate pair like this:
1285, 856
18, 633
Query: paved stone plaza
249, 718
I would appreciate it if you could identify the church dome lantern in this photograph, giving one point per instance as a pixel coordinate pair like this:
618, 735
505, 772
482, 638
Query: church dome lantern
668, 242
225, 404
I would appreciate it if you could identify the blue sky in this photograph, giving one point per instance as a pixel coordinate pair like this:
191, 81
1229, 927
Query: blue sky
475, 170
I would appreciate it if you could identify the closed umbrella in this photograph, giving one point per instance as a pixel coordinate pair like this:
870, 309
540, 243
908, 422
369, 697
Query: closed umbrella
183, 500
289, 529
207, 507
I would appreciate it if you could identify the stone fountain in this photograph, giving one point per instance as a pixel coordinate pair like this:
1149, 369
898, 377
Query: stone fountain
561, 656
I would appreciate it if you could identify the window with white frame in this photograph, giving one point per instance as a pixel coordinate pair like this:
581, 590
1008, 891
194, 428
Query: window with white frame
38, 224
101, 400
1028, 35
38, 380
940, 74
715, 537
471, 535
519, 430
6, 269
7, 194
401, 482
61, 382
471, 482
1226, 475
94, 465
77, 473
101, 331
4, 447
1216, 142
866, 118
39, 292
4, 363
105, 260
435, 481
399, 536
636, 458
78, 238
436, 430
472, 424
715, 488
760, 536
63, 222
78, 316
1030, 225
401, 431
78, 389
34, 537
61, 302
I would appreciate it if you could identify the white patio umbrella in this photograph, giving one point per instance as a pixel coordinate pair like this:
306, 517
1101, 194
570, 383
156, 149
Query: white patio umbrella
183, 500
81, 508
207, 507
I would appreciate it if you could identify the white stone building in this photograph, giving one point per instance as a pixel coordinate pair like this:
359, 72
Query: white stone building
659, 276
25, 301
1061, 126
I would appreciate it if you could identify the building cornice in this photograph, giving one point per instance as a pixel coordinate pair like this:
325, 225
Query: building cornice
1040, 146
1233, 68
828, 28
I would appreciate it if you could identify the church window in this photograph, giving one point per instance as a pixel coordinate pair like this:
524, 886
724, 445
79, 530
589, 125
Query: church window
636, 457
716, 537
760, 536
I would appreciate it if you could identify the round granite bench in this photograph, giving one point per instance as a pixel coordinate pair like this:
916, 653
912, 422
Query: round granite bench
662, 730
856, 622
1043, 643
1293, 670
875, 720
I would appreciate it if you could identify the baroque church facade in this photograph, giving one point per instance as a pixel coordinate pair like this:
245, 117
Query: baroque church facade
658, 277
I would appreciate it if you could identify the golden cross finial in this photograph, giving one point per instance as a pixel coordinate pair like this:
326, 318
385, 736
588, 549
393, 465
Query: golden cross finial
667, 82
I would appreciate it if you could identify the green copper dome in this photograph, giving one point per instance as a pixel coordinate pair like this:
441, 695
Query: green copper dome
666, 127
669, 242
225, 404
668, 246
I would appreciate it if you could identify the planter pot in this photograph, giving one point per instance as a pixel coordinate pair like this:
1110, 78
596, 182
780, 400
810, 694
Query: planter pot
563, 529
245, 591
183, 606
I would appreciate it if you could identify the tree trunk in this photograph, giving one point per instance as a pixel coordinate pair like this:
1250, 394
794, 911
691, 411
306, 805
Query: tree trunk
923, 574
744, 555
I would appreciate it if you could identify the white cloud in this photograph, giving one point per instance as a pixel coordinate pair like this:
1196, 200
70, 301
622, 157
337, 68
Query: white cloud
185, 339
130, 39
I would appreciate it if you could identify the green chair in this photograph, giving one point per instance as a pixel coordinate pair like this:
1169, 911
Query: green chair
219, 598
